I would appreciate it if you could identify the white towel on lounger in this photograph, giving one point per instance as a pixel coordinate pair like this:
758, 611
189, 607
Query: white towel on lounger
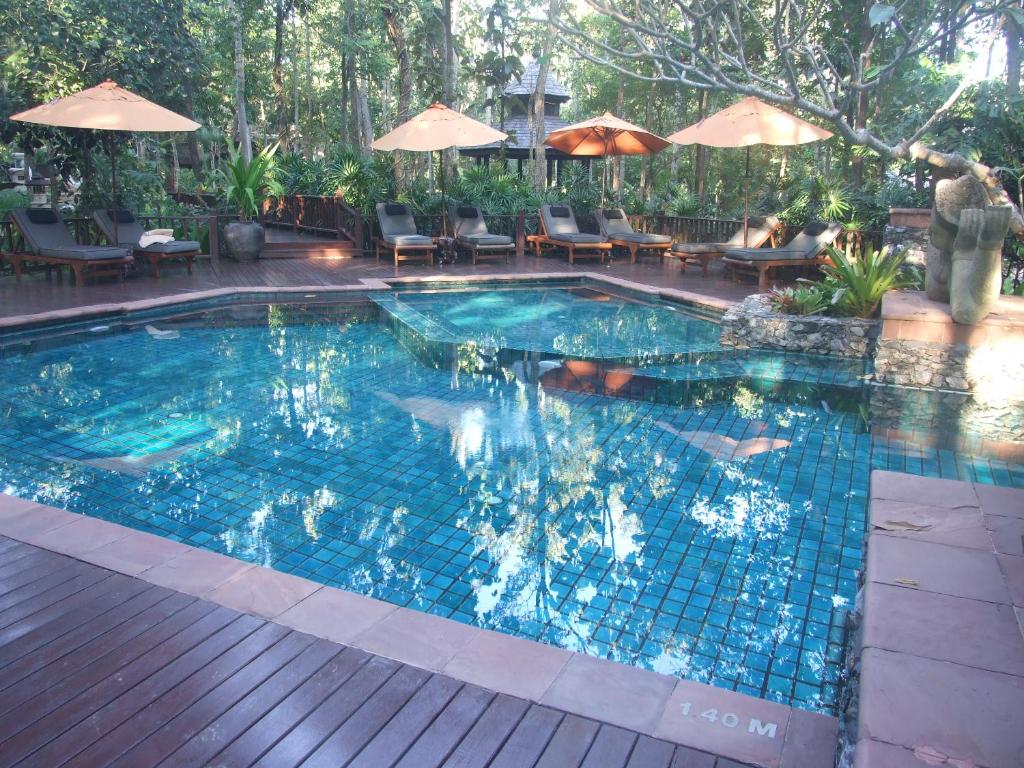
151, 236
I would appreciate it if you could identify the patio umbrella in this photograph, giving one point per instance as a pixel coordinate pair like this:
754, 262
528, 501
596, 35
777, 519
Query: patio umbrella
107, 107
436, 129
747, 122
605, 136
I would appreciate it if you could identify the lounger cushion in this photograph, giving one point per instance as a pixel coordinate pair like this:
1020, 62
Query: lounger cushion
129, 230
407, 240
767, 254
699, 248
42, 216
613, 222
121, 216
643, 238
395, 219
577, 238
175, 246
486, 239
467, 212
613, 213
84, 253
468, 220
559, 220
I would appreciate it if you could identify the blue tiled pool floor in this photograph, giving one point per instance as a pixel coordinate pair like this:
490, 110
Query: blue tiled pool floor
718, 541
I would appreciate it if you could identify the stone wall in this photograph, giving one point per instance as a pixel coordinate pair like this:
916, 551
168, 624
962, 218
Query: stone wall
753, 323
914, 240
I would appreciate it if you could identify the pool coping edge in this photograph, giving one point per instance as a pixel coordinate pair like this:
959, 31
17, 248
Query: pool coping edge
14, 322
747, 729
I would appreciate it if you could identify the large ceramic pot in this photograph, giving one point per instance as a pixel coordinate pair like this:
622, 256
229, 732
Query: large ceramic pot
244, 240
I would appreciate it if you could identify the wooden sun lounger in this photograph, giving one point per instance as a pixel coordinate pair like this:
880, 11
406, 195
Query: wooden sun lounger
129, 231
617, 230
543, 240
759, 232
93, 261
472, 235
398, 234
803, 252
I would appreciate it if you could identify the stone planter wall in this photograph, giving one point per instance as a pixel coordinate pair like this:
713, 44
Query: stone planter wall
753, 323
908, 228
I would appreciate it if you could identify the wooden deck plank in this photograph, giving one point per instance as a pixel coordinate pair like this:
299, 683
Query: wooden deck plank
651, 753
129, 675
335, 710
223, 716
530, 738
35, 582
611, 748
156, 709
127, 599
16, 571
569, 744
50, 603
437, 742
390, 742
488, 733
77, 703
374, 714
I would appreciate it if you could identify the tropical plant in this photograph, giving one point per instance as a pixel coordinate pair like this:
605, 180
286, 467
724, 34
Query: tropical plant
806, 299
245, 184
859, 280
11, 199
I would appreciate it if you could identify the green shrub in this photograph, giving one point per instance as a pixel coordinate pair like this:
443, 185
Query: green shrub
858, 281
11, 199
807, 299
245, 184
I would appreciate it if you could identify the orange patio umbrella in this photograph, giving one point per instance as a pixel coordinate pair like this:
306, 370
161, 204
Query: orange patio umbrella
605, 136
107, 107
436, 129
747, 122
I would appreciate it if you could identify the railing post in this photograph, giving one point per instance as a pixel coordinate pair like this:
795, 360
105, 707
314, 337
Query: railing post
214, 242
359, 232
520, 233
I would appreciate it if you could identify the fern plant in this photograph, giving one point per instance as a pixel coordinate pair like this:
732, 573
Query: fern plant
808, 299
247, 183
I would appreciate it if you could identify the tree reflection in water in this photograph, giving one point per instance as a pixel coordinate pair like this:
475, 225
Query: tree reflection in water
319, 446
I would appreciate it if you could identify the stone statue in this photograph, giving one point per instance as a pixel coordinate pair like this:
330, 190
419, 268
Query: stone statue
963, 265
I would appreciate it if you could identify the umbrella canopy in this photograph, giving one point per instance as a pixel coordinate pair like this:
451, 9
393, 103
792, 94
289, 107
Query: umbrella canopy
605, 136
747, 122
437, 128
106, 107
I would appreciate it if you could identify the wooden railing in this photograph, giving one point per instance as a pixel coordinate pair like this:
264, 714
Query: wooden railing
318, 214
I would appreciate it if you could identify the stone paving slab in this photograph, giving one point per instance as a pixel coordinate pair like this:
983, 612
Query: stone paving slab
941, 674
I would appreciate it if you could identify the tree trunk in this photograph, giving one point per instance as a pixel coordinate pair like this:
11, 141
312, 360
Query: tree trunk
860, 118
241, 118
396, 32
277, 73
365, 122
449, 82
540, 165
700, 163
1012, 30
618, 163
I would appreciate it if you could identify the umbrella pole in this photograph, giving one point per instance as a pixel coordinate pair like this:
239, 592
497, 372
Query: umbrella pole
444, 212
746, 198
113, 187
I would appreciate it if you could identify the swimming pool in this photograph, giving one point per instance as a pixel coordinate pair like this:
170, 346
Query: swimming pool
595, 472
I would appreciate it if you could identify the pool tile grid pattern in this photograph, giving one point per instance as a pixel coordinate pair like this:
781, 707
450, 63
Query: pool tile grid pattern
766, 609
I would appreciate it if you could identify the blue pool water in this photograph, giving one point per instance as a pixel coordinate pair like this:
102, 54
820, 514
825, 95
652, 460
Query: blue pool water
700, 513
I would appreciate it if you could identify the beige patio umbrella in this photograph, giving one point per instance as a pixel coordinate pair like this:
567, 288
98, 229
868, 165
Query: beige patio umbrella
436, 129
107, 107
748, 122
605, 136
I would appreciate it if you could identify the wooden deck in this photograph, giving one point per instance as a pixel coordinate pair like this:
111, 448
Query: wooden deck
36, 294
102, 669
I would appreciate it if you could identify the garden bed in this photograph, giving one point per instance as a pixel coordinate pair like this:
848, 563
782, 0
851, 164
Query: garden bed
754, 323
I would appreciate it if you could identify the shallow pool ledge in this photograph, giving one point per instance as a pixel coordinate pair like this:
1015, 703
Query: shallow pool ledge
731, 725
941, 639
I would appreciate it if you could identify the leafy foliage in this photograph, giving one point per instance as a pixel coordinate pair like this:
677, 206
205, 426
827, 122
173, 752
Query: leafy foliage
247, 183
807, 299
859, 280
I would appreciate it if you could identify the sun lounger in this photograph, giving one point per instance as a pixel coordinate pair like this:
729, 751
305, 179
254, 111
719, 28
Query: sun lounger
759, 231
471, 234
129, 231
617, 230
398, 234
804, 250
48, 241
558, 229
